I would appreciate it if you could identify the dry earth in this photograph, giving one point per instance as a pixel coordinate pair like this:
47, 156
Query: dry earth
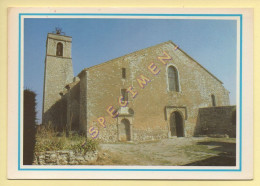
201, 151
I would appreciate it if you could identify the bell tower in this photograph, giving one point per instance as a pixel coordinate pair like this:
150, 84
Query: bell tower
57, 74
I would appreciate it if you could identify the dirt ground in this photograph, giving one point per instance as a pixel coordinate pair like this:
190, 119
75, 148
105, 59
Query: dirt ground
200, 151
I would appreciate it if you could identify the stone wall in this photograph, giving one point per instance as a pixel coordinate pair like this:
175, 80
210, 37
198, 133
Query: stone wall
83, 102
70, 108
64, 157
217, 121
104, 83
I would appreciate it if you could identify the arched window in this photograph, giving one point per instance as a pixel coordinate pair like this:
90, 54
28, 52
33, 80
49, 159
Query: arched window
213, 99
59, 51
173, 80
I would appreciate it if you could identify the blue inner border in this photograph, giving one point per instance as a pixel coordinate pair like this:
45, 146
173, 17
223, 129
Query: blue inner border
102, 169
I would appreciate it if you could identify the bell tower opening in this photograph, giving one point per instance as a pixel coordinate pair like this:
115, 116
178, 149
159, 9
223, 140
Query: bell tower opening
59, 50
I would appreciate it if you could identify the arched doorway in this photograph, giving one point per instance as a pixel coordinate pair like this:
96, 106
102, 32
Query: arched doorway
176, 124
124, 130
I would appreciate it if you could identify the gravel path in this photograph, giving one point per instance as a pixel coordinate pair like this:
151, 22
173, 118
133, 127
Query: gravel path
178, 151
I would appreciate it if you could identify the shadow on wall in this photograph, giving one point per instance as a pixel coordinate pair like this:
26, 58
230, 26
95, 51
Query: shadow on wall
214, 121
226, 157
29, 126
57, 115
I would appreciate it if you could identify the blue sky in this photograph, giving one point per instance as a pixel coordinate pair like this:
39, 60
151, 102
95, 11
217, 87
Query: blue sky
210, 42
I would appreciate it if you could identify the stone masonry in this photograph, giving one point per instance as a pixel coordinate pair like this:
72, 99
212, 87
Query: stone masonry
103, 84
217, 120
64, 157
166, 104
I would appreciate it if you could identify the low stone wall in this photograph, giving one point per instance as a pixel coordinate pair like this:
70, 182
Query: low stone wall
217, 121
64, 157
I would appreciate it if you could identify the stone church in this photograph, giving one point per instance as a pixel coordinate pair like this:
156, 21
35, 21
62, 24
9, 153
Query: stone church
154, 93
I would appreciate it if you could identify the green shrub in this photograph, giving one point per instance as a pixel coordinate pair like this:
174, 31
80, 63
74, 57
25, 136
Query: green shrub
29, 125
85, 146
49, 145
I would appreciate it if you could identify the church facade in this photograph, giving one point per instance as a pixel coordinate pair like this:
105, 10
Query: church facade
154, 93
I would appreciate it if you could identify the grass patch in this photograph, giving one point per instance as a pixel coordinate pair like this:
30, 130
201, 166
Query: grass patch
48, 139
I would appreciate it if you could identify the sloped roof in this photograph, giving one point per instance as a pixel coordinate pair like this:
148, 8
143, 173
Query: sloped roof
155, 46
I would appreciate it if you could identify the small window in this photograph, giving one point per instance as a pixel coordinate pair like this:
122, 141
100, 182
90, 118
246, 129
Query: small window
124, 93
123, 73
59, 51
213, 99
